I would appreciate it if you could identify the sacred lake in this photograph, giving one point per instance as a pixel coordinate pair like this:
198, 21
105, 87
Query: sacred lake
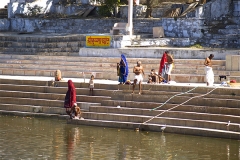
47, 138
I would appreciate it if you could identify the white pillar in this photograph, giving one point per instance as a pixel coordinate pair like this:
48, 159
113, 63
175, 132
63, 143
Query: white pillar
130, 16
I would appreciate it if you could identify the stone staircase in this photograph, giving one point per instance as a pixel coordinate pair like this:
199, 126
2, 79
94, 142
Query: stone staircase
3, 13
185, 70
205, 116
50, 52
39, 97
50, 44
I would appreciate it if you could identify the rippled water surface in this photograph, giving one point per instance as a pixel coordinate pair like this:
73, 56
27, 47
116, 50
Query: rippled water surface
41, 138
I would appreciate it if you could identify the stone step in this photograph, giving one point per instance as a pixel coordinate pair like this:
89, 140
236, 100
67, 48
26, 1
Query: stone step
36, 50
173, 94
51, 96
22, 38
167, 106
177, 64
41, 53
34, 109
162, 120
111, 69
180, 78
111, 60
25, 45
106, 89
3, 11
157, 127
172, 114
32, 114
55, 90
42, 102
157, 52
199, 101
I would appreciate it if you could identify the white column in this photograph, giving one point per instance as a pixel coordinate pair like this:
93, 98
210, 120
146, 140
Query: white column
130, 16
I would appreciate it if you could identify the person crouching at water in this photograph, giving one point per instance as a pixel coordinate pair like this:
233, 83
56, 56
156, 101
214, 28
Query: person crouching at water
91, 85
70, 98
75, 112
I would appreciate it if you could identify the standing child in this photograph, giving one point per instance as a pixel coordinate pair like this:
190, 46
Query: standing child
91, 85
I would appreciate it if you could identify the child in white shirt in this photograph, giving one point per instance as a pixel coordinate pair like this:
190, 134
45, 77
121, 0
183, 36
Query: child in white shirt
91, 85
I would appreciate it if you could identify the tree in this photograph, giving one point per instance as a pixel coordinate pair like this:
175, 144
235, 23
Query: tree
149, 8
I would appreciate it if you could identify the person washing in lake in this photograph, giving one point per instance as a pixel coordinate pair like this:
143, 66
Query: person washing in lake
70, 98
122, 70
91, 85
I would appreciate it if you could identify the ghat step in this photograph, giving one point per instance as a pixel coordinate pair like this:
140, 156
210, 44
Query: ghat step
157, 127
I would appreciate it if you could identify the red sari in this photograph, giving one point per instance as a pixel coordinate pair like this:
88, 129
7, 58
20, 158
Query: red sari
162, 62
70, 97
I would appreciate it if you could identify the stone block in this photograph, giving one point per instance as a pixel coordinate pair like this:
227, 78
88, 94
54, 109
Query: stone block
158, 32
29, 73
228, 62
7, 72
235, 63
19, 72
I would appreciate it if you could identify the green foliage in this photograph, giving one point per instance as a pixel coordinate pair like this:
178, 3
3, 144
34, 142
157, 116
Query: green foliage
34, 11
196, 46
107, 9
104, 11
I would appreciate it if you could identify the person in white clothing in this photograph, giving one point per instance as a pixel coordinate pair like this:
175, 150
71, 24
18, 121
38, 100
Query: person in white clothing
138, 70
91, 85
209, 71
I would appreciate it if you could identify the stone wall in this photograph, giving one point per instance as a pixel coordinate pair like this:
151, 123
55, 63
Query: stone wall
236, 11
216, 9
188, 28
5, 24
183, 27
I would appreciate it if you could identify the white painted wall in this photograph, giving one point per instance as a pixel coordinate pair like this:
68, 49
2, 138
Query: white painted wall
4, 3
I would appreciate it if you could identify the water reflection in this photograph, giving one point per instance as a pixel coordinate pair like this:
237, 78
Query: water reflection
41, 138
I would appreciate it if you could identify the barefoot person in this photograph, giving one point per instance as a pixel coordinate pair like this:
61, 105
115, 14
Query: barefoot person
91, 85
208, 70
169, 65
138, 70
70, 98
122, 70
162, 65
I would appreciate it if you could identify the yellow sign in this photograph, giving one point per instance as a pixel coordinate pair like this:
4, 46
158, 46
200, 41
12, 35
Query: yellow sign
98, 41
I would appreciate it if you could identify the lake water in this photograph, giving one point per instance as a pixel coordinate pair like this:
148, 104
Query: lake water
43, 138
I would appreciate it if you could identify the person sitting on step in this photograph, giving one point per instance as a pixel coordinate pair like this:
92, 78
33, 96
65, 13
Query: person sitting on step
154, 76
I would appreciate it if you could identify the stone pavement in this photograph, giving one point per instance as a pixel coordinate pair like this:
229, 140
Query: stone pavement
99, 81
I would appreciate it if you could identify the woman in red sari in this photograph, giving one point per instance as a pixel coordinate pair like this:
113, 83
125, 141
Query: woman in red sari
70, 98
162, 63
